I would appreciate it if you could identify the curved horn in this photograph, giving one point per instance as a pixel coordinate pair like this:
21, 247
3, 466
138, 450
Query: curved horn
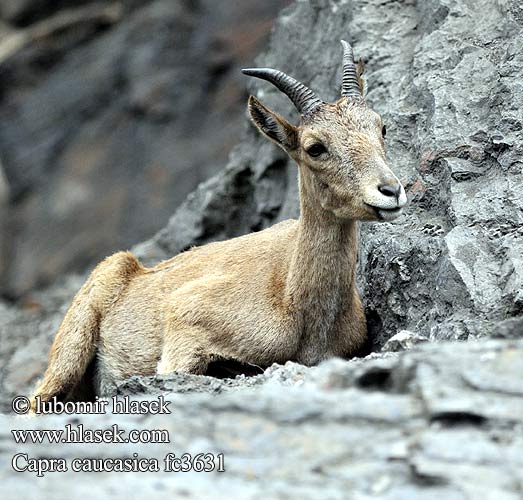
303, 98
350, 86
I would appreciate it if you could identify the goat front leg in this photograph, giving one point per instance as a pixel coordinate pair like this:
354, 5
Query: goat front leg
183, 351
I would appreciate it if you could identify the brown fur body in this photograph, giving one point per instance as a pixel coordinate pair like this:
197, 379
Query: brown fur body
183, 313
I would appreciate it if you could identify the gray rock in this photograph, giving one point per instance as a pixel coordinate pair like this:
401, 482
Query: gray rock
450, 268
4, 196
511, 328
443, 421
13, 11
26, 333
402, 341
107, 124
4, 187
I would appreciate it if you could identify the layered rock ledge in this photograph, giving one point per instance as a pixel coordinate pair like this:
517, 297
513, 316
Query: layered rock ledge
441, 421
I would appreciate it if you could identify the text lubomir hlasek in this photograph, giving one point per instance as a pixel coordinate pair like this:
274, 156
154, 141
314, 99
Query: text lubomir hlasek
115, 405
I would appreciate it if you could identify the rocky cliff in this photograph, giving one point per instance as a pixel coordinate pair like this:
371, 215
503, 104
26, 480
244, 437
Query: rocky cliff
110, 113
444, 420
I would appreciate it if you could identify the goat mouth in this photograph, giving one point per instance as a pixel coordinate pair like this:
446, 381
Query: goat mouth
386, 214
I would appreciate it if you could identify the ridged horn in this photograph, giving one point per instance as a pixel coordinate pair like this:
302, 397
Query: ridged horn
350, 86
303, 98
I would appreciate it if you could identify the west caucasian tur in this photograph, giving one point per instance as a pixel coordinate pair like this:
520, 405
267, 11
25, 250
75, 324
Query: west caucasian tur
285, 293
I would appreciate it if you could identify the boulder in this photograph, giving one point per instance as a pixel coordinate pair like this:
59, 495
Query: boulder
403, 340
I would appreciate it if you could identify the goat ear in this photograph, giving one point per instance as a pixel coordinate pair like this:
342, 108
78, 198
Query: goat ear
272, 125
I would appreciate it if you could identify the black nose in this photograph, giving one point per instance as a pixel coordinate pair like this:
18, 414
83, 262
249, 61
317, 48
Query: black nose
390, 190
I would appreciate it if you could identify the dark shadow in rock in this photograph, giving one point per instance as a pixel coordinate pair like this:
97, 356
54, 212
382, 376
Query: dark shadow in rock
84, 390
367, 348
375, 339
426, 480
375, 379
459, 418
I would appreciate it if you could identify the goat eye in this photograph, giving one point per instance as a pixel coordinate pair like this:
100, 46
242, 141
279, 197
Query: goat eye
384, 131
316, 150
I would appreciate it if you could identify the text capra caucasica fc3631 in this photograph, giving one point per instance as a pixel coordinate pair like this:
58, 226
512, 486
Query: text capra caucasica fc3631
285, 293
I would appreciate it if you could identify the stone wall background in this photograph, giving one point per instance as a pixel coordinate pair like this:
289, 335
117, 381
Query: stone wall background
445, 77
110, 114
441, 420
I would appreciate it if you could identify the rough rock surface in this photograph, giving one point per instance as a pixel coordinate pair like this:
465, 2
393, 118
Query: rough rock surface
444, 421
402, 341
109, 115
